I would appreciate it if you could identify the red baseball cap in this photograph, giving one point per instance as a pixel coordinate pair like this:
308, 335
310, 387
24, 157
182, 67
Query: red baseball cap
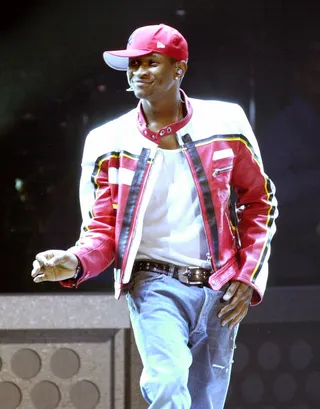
149, 39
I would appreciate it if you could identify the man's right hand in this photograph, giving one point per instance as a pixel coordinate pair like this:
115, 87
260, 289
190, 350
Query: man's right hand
54, 265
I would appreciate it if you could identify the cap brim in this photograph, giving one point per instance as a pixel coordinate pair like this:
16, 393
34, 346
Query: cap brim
119, 59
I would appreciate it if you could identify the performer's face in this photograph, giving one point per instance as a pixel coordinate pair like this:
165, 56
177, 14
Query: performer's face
151, 76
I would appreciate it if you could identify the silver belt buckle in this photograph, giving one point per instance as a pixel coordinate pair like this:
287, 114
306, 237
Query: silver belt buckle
183, 274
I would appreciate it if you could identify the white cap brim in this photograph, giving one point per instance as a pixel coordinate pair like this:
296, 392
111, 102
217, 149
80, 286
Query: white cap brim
119, 60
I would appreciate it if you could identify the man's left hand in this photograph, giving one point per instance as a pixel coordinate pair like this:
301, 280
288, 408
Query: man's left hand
239, 297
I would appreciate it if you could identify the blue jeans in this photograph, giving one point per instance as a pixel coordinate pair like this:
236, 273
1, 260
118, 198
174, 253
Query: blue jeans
186, 354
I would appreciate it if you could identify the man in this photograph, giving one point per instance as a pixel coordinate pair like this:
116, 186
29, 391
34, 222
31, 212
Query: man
155, 197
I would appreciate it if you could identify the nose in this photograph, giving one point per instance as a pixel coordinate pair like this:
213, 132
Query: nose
141, 71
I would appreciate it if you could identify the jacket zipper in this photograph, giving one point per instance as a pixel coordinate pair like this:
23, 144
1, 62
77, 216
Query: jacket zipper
209, 254
134, 227
216, 172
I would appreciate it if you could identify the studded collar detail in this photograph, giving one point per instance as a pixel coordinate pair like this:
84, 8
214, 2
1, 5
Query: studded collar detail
166, 130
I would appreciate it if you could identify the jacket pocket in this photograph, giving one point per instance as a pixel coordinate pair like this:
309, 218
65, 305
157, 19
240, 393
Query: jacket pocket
222, 168
218, 171
220, 277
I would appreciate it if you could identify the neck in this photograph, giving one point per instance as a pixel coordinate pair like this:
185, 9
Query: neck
162, 112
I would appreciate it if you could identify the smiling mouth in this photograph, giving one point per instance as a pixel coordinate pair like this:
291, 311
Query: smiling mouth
140, 83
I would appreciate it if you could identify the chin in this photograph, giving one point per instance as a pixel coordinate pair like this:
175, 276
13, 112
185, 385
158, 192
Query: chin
141, 94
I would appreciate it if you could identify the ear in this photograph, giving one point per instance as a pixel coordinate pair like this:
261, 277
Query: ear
129, 82
181, 68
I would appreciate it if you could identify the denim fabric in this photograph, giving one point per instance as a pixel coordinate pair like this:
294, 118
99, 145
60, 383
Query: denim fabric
186, 354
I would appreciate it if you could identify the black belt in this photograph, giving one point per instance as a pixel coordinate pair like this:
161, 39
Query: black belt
186, 274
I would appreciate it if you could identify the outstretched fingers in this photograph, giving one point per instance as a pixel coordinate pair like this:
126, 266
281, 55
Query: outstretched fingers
238, 296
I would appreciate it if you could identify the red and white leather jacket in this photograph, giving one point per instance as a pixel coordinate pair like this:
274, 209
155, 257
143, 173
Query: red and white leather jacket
120, 166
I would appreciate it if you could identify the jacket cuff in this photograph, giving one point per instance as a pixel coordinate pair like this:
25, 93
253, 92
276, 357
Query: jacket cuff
75, 280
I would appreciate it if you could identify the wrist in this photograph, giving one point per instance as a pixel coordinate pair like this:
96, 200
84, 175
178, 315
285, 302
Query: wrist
79, 271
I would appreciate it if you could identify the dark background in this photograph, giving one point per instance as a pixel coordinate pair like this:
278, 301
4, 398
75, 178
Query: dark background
55, 87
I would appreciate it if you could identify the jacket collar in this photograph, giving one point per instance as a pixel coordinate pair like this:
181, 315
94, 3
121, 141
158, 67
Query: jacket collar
167, 130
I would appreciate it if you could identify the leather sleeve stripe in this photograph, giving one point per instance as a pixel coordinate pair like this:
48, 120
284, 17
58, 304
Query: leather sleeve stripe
206, 192
120, 176
96, 171
94, 179
235, 137
131, 205
115, 154
129, 155
270, 222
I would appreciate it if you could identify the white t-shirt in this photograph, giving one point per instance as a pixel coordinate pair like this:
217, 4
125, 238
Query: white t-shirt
173, 229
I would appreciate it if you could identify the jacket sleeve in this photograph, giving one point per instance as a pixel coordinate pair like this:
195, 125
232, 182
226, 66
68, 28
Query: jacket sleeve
95, 246
256, 209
